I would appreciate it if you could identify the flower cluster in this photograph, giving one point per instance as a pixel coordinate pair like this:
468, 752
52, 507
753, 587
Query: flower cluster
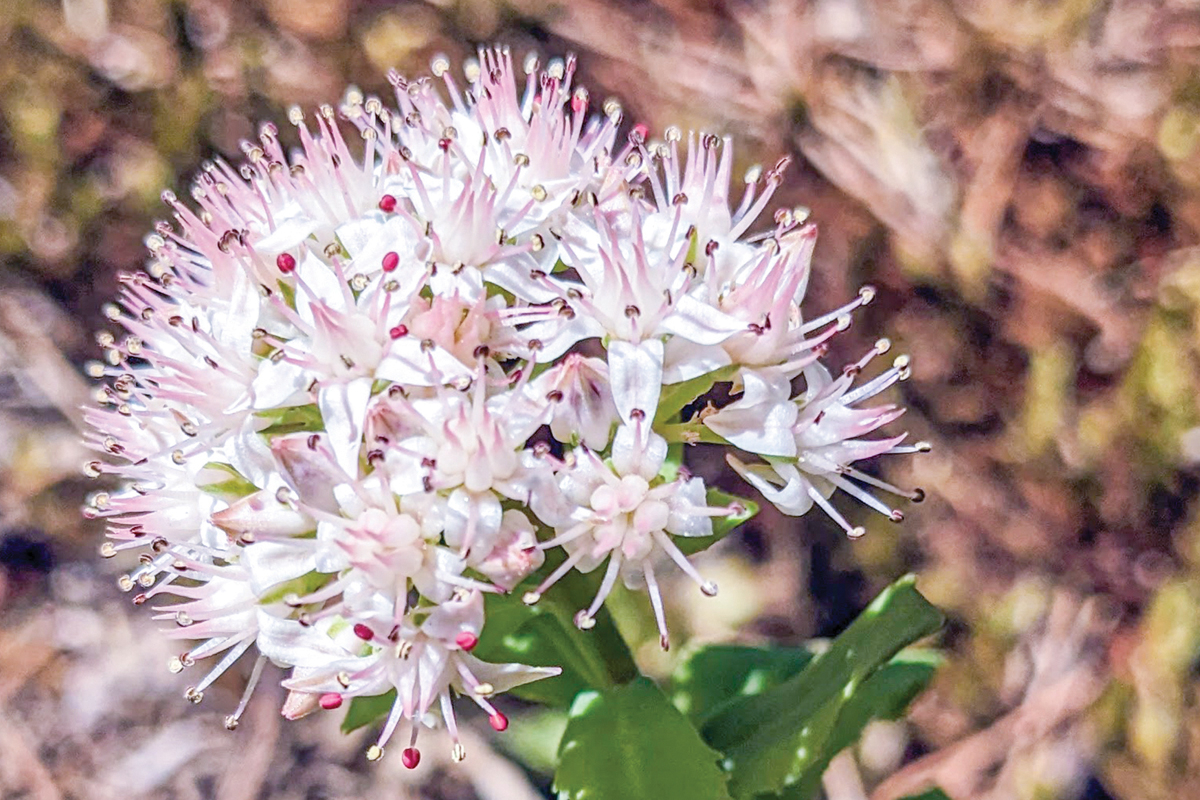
359, 388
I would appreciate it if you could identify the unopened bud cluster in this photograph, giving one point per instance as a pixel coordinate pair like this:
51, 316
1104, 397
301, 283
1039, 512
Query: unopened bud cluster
360, 386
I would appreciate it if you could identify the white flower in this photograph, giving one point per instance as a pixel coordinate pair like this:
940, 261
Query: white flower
423, 658
810, 443
625, 514
359, 387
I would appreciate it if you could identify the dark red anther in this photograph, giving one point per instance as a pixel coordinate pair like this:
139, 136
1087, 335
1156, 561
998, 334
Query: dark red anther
286, 263
391, 260
410, 757
639, 133
398, 331
364, 632
498, 721
387, 204
466, 640
330, 701
444, 143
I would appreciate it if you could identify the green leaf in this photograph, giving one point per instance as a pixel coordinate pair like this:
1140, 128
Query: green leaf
543, 635
630, 742
711, 679
224, 481
366, 710
933, 794
722, 526
292, 419
532, 738
884, 695
302, 586
783, 737
677, 395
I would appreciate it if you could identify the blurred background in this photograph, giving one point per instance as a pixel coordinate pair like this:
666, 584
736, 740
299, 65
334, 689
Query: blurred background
1021, 181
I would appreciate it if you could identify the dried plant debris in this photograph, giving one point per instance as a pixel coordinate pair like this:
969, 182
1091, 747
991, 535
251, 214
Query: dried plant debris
1020, 180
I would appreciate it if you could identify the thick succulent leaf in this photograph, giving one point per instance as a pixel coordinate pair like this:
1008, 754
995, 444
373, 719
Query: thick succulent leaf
932, 794
776, 740
630, 742
712, 679
883, 695
543, 635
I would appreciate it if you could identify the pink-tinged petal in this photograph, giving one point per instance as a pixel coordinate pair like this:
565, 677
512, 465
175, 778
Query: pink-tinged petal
263, 515
343, 409
856, 450
309, 470
636, 374
792, 498
298, 705
507, 676
515, 554
839, 423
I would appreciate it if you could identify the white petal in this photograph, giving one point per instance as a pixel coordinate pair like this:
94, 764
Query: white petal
271, 563
394, 236
288, 233
287, 642
684, 360
631, 456
357, 233
700, 322
408, 363
317, 284
277, 382
247, 453
762, 420
309, 471
636, 374
343, 408
766, 430
682, 523
485, 507
241, 315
